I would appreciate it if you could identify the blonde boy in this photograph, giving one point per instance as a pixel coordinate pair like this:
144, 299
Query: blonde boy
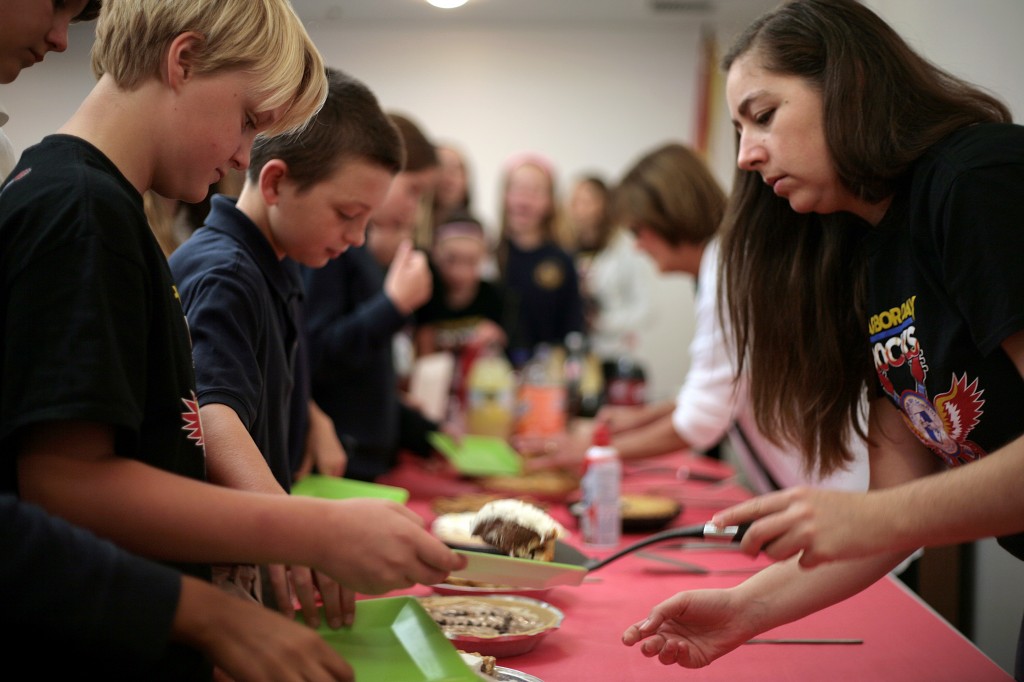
98, 421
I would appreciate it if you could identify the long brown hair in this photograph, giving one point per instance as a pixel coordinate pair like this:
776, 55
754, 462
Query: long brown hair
794, 283
606, 226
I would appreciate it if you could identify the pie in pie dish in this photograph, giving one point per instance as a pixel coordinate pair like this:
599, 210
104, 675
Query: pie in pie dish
643, 513
491, 616
552, 485
494, 625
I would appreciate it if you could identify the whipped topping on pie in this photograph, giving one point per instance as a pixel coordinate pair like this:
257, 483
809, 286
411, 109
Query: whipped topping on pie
523, 513
518, 528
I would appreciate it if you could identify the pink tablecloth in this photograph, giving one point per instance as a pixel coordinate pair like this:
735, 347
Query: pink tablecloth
903, 639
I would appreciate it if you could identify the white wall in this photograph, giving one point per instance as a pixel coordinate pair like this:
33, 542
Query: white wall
46, 95
979, 40
587, 98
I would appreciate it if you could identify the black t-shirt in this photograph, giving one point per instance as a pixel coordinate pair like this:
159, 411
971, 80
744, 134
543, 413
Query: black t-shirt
240, 301
50, 566
454, 326
350, 323
946, 287
92, 326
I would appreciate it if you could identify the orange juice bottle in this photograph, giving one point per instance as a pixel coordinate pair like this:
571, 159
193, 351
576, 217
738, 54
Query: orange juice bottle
541, 397
490, 395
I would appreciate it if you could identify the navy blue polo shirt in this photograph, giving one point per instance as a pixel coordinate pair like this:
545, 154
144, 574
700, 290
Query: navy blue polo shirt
350, 325
242, 303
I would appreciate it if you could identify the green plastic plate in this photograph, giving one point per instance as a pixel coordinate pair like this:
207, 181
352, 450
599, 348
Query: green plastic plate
478, 455
334, 488
394, 638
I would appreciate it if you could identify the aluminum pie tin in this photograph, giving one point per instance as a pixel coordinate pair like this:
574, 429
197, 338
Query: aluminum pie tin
501, 646
509, 675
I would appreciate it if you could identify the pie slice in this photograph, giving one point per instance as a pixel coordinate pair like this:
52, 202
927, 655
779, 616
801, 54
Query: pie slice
518, 528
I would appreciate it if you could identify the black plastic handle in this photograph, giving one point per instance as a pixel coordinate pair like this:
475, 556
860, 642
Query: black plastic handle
732, 533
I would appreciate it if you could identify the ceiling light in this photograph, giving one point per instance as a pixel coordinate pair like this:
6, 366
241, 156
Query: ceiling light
447, 4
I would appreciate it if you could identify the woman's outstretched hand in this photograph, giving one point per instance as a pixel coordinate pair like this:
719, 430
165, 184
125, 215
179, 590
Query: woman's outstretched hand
691, 629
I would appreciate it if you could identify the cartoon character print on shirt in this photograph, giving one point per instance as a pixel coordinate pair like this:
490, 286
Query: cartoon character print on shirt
942, 424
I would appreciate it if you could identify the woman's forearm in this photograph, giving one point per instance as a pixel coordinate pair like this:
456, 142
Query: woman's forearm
785, 591
980, 499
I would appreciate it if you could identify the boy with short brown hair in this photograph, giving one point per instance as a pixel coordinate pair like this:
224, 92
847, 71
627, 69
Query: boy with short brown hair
307, 197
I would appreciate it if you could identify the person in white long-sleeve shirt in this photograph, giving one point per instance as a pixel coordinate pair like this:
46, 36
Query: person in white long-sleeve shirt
616, 279
7, 155
713, 402
674, 206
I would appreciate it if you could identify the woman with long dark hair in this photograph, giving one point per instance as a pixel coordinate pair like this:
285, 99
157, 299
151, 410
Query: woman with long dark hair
872, 243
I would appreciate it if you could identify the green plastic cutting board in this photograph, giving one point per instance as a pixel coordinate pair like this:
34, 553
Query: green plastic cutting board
479, 455
394, 639
334, 488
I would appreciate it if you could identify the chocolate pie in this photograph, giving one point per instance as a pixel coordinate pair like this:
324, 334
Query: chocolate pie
517, 528
485, 616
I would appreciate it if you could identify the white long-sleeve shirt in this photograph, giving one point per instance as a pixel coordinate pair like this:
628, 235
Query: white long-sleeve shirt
8, 158
620, 278
711, 404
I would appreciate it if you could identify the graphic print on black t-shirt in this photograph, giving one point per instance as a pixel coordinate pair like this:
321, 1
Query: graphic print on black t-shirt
192, 426
191, 423
943, 422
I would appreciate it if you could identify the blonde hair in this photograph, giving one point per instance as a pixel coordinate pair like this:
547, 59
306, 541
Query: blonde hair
553, 225
262, 37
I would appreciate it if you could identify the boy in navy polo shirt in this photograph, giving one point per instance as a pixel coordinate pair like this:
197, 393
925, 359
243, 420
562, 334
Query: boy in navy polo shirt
306, 199
357, 305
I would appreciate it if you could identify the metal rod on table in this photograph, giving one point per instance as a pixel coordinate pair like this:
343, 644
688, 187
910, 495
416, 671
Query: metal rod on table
697, 569
803, 640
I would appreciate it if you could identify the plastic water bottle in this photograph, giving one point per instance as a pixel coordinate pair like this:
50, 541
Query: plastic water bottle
601, 514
